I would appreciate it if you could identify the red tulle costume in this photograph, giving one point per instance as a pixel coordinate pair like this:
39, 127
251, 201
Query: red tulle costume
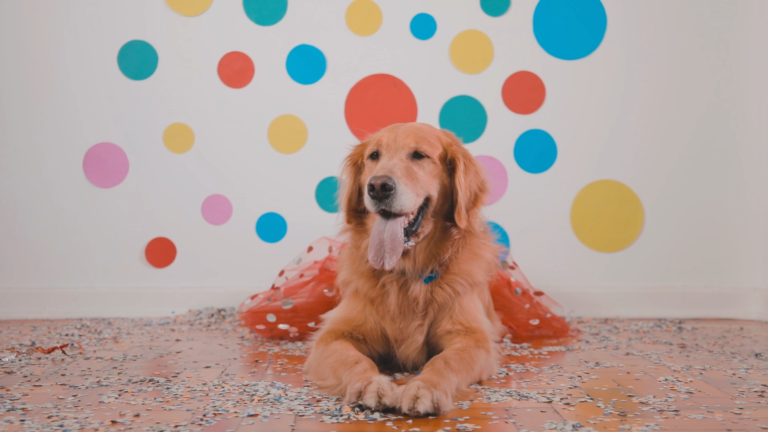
304, 290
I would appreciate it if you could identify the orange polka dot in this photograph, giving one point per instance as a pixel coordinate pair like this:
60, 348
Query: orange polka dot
160, 252
236, 69
523, 92
376, 102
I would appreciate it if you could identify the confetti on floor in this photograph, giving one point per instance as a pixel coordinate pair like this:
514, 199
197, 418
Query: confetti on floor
200, 372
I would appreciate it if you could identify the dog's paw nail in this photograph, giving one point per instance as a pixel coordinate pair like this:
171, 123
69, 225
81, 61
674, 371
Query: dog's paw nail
379, 393
419, 399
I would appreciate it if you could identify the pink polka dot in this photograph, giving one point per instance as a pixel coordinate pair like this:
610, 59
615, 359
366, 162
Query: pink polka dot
497, 177
217, 209
105, 165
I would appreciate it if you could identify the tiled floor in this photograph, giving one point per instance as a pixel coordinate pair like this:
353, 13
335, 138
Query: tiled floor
201, 372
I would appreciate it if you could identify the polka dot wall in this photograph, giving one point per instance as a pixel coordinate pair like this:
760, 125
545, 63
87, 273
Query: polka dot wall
615, 162
606, 214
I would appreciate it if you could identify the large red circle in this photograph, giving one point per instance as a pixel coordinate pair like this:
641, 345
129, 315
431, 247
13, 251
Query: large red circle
523, 92
160, 252
236, 69
376, 102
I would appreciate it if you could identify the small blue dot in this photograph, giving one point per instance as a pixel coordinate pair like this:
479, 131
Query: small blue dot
535, 151
327, 194
305, 64
423, 26
495, 8
265, 12
271, 227
569, 29
464, 116
501, 237
137, 60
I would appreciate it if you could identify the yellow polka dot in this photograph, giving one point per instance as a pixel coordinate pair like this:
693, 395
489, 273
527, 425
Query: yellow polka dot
607, 216
471, 51
189, 8
363, 17
178, 138
287, 134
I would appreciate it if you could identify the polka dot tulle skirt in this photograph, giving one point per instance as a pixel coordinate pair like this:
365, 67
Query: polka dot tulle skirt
305, 289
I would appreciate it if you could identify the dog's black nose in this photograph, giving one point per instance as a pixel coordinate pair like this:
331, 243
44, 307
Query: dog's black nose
381, 187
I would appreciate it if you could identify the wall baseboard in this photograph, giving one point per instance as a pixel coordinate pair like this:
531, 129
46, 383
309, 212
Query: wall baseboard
126, 302
649, 302
669, 302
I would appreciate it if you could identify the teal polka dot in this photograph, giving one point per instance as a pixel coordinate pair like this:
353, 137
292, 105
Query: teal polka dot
569, 29
464, 116
501, 237
327, 194
495, 8
265, 12
535, 151
137, 60
271, 227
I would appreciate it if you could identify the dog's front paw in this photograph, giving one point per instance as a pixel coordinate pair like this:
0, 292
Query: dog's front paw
420, 398
379, 393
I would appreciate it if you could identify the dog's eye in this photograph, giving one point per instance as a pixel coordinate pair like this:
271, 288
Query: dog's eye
374, 156
417, 155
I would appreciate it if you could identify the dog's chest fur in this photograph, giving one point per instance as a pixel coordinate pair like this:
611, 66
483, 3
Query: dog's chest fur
407, 320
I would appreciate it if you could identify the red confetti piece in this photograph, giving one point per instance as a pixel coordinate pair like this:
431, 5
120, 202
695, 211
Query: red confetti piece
58, 347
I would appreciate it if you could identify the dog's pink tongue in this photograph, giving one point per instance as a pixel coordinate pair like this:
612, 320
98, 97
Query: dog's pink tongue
387, 241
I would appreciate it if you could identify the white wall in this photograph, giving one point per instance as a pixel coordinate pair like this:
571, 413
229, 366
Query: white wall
672, 104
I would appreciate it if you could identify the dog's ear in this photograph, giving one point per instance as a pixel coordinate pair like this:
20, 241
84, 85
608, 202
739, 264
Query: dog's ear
467, 178
351, 196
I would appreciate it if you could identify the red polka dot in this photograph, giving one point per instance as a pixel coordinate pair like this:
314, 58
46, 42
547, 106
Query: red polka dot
376, 102
236, 69
160, 252
523, 92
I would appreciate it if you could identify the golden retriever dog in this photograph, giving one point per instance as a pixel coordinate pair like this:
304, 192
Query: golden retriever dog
413, 277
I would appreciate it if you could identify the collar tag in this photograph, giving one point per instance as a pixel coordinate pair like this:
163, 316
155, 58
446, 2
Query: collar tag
431, 276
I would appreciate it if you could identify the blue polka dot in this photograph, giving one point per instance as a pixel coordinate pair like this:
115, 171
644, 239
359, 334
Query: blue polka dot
423, 26
495, 8
501, 237
305, 64
327, 194
535, 151
137, 60
499, 234
464, 116
265, 12
271, 227
569, 29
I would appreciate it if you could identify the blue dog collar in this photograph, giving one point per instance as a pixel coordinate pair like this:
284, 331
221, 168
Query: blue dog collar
431, 276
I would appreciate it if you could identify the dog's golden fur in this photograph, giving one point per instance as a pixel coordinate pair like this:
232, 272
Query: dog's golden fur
391, 319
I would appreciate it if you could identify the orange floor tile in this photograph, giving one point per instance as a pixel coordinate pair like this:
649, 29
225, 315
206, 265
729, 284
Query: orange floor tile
200, 371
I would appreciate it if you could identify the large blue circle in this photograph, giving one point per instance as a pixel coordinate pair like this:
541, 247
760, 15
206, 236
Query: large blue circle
265, 12
137, 60
464, 116
535, 151
495, 8
271, 227
569, 29
305, 64
423, 26
327, 194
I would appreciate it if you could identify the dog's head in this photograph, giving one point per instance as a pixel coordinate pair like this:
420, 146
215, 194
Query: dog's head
403, 182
